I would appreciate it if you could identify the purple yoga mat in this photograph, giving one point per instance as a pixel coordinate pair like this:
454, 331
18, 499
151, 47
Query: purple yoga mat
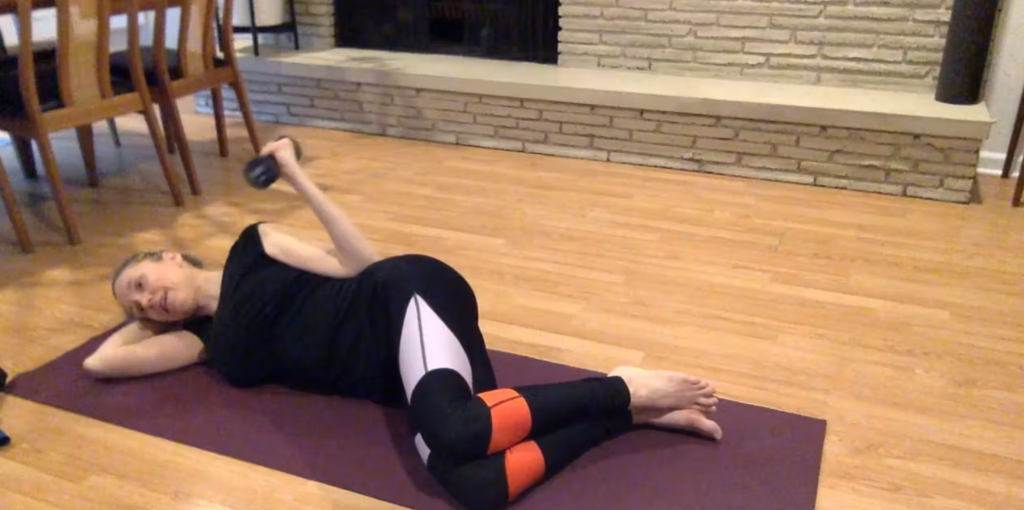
769, 459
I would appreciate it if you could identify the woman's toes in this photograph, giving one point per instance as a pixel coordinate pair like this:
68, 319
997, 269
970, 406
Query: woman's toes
706, 409
687, 419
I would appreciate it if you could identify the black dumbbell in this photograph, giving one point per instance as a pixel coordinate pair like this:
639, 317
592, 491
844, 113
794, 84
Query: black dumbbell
4, 439
263, 171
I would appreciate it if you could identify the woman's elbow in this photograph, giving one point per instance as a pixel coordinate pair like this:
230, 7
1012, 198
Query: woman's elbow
98, 367
93, 366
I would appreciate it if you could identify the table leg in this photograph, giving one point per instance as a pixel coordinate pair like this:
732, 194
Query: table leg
295, 25
255, 31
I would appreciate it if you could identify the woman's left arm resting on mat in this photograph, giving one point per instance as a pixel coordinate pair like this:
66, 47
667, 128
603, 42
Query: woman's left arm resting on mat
159, 353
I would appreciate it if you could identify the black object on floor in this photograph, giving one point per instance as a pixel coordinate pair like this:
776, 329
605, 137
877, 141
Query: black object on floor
4, 438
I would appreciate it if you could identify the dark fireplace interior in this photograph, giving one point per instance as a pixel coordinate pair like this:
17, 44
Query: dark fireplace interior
522, 30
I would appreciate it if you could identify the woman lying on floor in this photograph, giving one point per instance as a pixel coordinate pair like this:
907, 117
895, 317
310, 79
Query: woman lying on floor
400, 331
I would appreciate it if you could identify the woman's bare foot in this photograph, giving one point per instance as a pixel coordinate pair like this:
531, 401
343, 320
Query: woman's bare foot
660, 389
690, 420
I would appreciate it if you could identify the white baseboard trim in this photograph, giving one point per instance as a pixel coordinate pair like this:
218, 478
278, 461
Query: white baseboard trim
991, 163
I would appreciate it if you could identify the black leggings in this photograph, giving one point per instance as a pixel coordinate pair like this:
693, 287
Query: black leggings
487, 445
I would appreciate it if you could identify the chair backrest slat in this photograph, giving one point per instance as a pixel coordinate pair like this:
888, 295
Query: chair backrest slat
194, 36
226, 43
83, 38
26, 62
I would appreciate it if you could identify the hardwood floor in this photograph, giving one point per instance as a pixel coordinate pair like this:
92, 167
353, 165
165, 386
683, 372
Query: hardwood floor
900, 321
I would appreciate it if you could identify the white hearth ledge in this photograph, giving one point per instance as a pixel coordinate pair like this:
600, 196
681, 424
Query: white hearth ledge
892, 111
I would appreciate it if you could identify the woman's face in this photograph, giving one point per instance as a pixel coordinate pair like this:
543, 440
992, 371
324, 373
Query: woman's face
159, 290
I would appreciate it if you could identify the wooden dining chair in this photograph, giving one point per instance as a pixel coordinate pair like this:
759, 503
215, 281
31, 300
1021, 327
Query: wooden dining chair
83, 93
9, 65
10, 200
191, 67
23, 146
13, 213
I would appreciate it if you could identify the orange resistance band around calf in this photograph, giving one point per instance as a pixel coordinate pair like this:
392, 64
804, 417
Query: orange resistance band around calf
524, 467
511, 420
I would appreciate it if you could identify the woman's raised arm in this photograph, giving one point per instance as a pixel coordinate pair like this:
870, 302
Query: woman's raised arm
353, 249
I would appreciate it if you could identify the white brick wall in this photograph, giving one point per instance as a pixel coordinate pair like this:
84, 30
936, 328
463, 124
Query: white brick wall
316, 23
872, 43
880, 162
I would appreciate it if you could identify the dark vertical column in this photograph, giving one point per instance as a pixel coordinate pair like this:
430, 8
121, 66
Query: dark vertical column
339, 23
420, 24
549, 26
966, 52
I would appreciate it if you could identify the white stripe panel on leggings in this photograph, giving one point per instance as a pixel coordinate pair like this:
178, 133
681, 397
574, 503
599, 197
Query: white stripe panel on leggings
427, 344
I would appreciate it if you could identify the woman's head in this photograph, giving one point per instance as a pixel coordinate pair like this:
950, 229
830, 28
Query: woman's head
160, 286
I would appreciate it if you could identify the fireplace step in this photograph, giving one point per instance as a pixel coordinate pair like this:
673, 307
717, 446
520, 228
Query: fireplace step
894, 143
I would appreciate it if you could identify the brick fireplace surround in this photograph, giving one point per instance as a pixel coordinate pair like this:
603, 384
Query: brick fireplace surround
835, 93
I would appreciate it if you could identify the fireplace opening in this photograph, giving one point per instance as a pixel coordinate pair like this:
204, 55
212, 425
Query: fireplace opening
521, 30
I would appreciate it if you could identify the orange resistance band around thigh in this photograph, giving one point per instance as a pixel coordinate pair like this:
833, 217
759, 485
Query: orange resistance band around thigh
511, 419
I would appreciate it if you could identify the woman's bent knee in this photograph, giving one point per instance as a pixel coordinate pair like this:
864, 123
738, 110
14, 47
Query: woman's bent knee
455, 434
449, 417
478, 485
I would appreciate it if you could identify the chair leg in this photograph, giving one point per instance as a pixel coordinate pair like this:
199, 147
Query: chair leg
161, 152
218, 116
112, 125
168, 127
88, 147
23, 146
170, 109
1018, 126
1019, 189
11, 204
243, 105
53, 173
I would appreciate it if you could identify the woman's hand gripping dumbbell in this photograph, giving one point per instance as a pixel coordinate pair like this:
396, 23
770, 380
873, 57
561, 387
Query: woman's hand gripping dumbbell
266, 169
